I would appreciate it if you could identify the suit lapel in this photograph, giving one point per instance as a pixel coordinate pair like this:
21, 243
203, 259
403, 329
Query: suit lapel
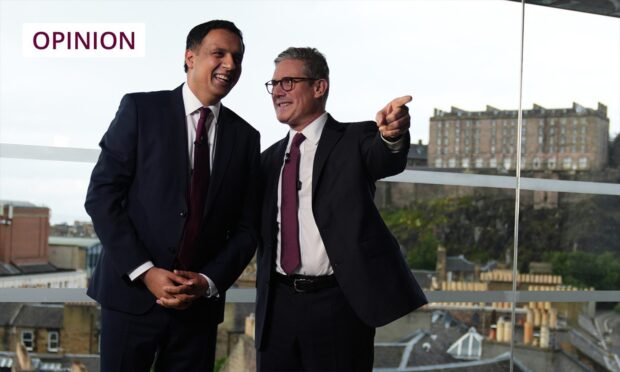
330, 136
224, 144
274, 177
178, 120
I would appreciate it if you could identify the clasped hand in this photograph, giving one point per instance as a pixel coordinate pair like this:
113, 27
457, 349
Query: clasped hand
175, 290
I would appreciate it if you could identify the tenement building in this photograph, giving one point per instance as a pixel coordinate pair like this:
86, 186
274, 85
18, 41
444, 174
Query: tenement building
567, 139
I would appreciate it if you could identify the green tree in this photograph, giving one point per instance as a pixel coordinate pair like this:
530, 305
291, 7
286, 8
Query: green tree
583, 269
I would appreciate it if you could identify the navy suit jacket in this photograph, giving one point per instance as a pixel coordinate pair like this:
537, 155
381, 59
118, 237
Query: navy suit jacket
138, 199
364, 255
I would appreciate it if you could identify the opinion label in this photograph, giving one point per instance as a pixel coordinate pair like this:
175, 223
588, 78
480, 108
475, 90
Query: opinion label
83, 40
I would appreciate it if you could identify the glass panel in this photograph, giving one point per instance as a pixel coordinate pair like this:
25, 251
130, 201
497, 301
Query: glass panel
567, 240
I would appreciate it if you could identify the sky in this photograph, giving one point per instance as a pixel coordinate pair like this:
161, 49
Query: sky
444, 53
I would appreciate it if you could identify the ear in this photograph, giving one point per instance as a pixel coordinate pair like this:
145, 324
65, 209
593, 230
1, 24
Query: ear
320, 87
189, 58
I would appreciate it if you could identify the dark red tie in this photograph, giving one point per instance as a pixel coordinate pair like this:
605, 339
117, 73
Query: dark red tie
290, 256
189, 253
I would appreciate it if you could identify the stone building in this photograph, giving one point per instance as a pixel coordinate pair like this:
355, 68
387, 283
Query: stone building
566, 139
50, 328
54, 337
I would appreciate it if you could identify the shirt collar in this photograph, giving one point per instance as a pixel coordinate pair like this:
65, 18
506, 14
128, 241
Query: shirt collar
192, 104
312, 131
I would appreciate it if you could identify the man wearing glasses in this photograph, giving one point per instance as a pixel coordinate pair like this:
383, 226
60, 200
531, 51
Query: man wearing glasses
329, 270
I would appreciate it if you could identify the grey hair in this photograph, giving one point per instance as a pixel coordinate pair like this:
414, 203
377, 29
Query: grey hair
315, 64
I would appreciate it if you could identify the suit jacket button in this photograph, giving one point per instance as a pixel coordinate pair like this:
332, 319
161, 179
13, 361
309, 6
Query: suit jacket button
182, 213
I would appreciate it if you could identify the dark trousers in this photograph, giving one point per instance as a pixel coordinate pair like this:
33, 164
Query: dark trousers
316, 331
168, 340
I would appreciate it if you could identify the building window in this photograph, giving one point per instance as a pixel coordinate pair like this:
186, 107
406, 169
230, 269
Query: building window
551, 163
583, 163
28, 339
465, 163
536, 163
438, 163
468, 347
53, 341
493, 163
507, 163
479, 163
567, 163
452, 163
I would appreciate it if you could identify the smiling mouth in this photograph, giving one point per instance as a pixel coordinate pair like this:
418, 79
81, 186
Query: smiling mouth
283, 104
223, 78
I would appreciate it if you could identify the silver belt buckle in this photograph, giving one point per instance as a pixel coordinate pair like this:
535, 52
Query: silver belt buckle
300, 280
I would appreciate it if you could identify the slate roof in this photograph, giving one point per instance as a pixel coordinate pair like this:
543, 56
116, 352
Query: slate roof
31, 315
423, 277
8, 269
37, 268
8, 311
459, 263
427, 350
417, 151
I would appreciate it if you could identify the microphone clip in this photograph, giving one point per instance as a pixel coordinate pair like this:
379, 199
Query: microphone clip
199, 141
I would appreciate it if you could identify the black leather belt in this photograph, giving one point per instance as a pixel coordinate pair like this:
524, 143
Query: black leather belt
305, 283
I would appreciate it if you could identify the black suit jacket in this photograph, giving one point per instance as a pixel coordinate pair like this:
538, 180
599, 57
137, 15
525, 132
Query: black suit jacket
364, 255
138, 199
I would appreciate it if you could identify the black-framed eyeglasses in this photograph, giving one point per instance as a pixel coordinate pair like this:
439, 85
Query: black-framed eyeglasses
286, 83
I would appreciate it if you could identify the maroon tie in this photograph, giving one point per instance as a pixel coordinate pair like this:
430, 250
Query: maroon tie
188, 256
290, 256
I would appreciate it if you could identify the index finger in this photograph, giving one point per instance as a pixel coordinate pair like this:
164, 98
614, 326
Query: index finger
401, 101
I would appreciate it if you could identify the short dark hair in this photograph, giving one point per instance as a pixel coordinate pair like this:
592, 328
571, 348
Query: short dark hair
315, 64
195, 36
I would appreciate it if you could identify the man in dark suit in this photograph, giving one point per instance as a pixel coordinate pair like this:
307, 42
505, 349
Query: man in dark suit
329, 270
173, 200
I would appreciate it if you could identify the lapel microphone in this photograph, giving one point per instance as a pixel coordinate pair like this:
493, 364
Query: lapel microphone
287, 157
200, 141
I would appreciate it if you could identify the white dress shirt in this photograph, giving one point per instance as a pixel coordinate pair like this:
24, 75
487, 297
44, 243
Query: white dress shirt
314, 259
192, 114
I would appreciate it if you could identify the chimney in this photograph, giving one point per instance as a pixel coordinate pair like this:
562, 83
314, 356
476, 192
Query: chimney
441, 264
